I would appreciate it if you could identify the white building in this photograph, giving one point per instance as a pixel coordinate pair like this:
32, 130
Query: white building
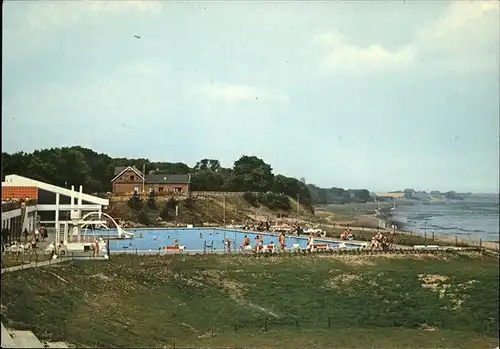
55, 206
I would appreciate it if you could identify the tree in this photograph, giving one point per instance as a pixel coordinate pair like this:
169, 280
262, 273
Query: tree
78, 165
251, 198
208, 164
207, 180
251, 173
165, 213
152, 201
291, 187
169, 168
135, 202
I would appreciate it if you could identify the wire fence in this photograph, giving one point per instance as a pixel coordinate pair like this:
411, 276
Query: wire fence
19, 261
324, 323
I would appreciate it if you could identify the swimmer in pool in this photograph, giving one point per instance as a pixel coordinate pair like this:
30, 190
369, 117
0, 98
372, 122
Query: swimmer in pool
141, 235
201, 235
154, 238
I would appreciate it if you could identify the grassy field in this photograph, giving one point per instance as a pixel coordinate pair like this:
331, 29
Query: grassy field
391, 301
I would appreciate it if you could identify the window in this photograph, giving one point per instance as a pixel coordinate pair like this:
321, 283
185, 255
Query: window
151, 190
160, 190
136, 190
132, 178
178, 189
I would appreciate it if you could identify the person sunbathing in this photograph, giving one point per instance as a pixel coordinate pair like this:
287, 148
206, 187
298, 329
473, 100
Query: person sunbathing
246, 242
259, 245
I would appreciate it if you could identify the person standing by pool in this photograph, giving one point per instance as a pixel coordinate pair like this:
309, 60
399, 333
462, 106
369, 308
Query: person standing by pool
25, 234
227, 244
282, 241
310, 242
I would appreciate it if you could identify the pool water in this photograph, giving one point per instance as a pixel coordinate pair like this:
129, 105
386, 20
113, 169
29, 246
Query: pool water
198, 239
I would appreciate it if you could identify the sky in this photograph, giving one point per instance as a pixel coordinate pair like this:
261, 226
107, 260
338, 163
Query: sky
377, 95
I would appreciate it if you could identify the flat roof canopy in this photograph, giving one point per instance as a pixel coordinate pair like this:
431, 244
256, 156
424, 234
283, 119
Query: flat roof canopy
17, 181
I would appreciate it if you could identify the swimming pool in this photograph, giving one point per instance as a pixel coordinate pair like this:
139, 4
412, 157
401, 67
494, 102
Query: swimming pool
199, 239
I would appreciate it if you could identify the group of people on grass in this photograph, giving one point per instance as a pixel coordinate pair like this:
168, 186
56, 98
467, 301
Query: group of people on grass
382, 241
347, 235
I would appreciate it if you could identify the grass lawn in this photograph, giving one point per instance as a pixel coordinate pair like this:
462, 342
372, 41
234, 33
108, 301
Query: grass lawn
318, 301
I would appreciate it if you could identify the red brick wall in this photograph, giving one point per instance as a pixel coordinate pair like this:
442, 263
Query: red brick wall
19, 193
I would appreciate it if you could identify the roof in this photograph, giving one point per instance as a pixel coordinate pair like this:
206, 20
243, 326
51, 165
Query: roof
124, 169
19, 181
168, 179
119, 169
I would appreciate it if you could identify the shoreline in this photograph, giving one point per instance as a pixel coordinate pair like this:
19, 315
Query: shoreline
363, 222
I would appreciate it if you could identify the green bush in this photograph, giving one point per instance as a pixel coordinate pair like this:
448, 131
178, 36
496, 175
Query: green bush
275, 201
143, 218
189, 203
165, 213
171, 203
251, 198
167, 209
135, 202
152, 201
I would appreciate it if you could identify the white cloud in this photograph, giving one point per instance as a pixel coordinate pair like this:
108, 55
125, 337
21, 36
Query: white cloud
346, 57
465, 39
237, 93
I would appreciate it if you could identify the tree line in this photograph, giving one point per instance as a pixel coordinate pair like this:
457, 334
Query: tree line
81, 166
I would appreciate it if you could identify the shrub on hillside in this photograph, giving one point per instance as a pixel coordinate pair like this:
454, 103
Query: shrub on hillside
189, 203
135, 202
152, 201
171, 203
251, 198
275, 201
165, 213
168, 209
143, 218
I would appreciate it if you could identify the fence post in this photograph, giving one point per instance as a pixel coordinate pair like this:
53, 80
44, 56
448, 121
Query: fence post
456, 241
265, 326
297, 323
433, 236
329, 323
173, 344
481, 245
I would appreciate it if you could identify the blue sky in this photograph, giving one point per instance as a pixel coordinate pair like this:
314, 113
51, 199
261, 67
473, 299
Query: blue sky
377, 95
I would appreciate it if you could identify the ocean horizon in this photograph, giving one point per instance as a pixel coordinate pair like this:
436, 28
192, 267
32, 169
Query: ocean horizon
476, 217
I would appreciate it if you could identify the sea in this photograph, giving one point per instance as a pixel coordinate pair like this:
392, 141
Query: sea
476, 217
